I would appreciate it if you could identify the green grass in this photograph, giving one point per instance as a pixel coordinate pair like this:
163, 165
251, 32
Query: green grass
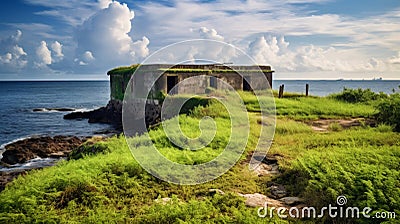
113, 187
308, 108
361, 163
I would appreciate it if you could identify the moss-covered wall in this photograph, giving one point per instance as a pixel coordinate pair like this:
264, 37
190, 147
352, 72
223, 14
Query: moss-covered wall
118, 84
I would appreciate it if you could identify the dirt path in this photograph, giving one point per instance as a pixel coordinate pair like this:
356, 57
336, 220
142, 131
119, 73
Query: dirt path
324, 125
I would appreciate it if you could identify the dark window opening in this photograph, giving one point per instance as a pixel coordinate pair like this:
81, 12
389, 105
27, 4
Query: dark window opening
213, 82
172, 81
246, 83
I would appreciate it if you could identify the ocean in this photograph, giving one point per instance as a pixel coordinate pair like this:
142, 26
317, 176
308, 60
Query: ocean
326, 87
19, 99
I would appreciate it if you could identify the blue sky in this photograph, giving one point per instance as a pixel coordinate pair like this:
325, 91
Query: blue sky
300, 39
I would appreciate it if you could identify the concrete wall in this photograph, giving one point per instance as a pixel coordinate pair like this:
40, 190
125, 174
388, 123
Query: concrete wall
142, 83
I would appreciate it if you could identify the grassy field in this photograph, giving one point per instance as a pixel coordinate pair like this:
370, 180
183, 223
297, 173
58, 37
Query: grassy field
361, 163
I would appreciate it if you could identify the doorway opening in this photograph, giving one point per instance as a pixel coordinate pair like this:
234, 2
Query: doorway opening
246, 83
213, 82
172, 81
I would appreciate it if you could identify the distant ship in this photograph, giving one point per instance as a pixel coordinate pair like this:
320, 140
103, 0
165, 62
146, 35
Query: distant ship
377, 79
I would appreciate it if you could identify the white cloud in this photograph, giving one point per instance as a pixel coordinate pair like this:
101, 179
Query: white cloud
17, 36
87, 57
14, 57
272, 51
210, 34
57, 49
349, 43
73, 12
139, 48
106, 36
18, 51
104, 3
43, 55
6, 59
395, 59
276, 52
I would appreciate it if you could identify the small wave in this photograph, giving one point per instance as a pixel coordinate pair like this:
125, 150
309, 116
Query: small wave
83, 110
31, 164
61, 109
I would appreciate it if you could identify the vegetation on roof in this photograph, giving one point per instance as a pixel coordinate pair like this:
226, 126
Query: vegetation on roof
123, 70
131, 69
188, 70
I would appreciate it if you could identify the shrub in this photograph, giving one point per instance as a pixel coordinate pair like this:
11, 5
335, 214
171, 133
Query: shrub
87, 149
389, 111
358, 95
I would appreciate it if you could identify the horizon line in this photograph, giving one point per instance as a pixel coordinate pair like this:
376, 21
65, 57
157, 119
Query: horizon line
283, 79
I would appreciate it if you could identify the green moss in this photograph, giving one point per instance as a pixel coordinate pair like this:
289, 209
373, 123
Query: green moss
123, 70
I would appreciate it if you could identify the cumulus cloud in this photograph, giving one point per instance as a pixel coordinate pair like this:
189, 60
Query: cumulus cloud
210, 34
56, 47
43, 55
272, 51
276, 52
86, 58
14, 56
6, 58
106, 36
104, 3
139, 48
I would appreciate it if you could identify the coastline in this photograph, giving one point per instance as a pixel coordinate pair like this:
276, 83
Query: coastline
30, 153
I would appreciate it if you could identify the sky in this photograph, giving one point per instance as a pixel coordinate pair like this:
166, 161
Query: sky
300, 39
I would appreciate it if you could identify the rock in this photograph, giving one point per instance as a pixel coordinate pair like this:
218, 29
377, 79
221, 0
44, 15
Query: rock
57, 155
216, 191
164, 201
44, 147
260, 200
110, 114
77, 115
291, 200
277, 191
266, 170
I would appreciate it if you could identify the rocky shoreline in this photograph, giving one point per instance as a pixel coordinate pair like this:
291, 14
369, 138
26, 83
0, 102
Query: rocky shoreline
25, 150
110, 114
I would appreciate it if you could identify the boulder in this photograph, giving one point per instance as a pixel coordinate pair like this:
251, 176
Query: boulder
260, 200
43, 147
110, 114
291, 200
